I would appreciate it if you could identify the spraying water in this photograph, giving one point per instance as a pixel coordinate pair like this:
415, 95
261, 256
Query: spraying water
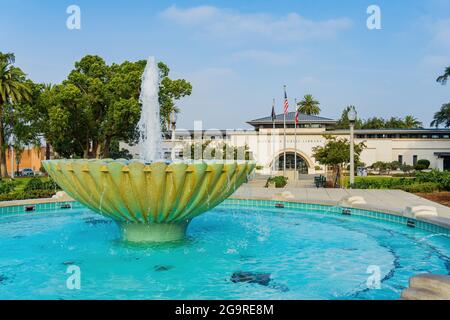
149, 123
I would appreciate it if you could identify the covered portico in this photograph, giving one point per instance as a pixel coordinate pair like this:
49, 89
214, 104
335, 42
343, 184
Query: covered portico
304, 163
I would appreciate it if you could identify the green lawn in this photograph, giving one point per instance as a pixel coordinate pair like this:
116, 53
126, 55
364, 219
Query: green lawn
26, 188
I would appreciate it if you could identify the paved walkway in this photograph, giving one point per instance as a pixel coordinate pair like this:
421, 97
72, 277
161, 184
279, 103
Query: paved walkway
389, 201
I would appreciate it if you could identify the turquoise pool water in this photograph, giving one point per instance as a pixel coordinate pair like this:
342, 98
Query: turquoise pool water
232, 252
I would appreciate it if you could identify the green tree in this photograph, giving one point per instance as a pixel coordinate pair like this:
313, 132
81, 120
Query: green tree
13, 89
412, 123
344, 123
442, 116
374, 123
308, 105
443, 78
99, 105
336, 153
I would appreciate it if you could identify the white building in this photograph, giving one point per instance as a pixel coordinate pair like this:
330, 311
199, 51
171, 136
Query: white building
267, 145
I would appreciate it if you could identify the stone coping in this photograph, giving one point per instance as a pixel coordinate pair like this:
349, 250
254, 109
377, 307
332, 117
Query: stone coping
392, 202
26, 202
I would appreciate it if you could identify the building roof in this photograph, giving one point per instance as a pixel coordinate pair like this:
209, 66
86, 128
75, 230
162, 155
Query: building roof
393, 131
290, 119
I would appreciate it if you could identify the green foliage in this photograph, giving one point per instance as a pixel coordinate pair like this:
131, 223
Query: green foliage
336, 151
442, 117
24, 188
98, 104
406, 168
422, 182
36, 183
22, 195
426, 187
422, 165
7, 186
408, 122
278, 181
386, 166
308, 105
442, 178
381, 182
443, 78
424, 162
344, 123
14, 89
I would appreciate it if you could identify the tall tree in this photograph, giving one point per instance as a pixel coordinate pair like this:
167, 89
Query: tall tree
13, 90
412, 122
344, 123
336, 153
374, 123
98, 105
308, 105
442, 116
443, 78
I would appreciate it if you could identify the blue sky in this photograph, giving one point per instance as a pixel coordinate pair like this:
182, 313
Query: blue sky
239, 54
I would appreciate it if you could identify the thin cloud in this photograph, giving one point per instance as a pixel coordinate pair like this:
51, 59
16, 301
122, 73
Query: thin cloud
224, 23
263, 56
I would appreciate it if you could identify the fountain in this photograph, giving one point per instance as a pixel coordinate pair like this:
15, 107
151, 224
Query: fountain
152, 200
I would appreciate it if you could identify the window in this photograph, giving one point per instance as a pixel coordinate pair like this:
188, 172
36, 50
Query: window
400, 159
414, 160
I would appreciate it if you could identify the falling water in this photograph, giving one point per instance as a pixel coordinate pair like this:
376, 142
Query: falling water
149, 124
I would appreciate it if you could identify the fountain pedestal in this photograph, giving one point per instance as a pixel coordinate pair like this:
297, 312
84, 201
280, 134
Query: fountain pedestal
153, 232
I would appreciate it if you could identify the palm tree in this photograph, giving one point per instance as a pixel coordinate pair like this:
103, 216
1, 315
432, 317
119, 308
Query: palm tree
13, 89
411, 122
442, 116
308, 105
443, 79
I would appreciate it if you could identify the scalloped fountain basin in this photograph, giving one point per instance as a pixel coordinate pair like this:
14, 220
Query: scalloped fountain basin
151, 202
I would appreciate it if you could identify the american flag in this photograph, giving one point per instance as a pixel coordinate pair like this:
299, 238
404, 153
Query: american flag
286, 102
296, 118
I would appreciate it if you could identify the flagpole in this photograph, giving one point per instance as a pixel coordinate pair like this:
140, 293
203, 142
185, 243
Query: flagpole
273, 136
284, 147
295, 139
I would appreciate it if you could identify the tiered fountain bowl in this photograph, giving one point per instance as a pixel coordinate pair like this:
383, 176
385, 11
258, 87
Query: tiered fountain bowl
151, 202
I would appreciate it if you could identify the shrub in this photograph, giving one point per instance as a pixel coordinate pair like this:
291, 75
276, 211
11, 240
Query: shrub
426, 187
442, 178
420, 167
317, 168
7, 186
382, 183
423, 162
406, 168
279, 181
36, 183
26, 195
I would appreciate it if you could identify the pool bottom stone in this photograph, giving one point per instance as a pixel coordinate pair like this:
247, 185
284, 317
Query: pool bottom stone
153, 232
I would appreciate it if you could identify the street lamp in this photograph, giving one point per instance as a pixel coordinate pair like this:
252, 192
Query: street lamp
173, 121
12, 141
352, 118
